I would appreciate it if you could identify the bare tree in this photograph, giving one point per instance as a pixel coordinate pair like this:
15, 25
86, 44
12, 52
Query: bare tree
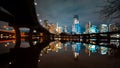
111, 10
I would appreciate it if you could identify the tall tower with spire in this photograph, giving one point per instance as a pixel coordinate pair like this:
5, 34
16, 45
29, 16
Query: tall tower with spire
76, 25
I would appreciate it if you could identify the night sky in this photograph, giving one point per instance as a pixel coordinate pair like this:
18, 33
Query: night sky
62, 11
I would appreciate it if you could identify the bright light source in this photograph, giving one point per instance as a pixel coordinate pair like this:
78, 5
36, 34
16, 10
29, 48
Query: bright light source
56, 50
38, 60
35, 42
1, 35
93, 46
117, 35
40, 20
8, 43
5, 45
10, 62
41, 54
34, 31
38, 14
49, 49
35, 3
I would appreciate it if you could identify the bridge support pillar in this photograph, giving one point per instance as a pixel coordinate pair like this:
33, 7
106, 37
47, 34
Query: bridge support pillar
30, 37
18, 36
108, 38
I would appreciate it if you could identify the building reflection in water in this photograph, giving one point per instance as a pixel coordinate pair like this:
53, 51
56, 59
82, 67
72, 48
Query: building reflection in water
65, 46
76, 47
30, 56
5, 45
27, 56
89, 49
54, 46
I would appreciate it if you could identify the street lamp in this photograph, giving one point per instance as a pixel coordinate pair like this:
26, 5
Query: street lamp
35, 3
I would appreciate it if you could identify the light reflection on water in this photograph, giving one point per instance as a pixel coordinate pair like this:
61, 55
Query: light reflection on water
56, 46
6, 45
64, 54
76, 48
61, 54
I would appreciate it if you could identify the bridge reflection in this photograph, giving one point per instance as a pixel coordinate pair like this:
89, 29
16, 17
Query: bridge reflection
28, 19
21, 56
17, 18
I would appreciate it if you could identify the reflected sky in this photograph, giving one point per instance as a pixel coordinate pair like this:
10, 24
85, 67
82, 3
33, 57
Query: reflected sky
59, 54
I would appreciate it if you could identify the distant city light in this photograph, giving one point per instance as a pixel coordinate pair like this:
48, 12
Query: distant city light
5, 45
38, 60
34, 31
8, 43
5, 26
104, 28
104, 50
59, 30
35, 42
10, 62
49, 49
92, 48
41, 54
93, 29
117, 35
1, 35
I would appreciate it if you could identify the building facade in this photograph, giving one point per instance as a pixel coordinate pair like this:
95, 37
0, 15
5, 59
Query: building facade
87, 27
76, 29
104, 28
93, 29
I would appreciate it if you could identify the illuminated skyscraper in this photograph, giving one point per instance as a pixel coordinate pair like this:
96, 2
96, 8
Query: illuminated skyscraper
65, 29
58, 29
46, 24
114, 27
52, 28
87, 27
103, 28
76, 26
93, 29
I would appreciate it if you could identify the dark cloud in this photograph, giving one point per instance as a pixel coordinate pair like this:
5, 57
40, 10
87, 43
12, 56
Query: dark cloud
62, 11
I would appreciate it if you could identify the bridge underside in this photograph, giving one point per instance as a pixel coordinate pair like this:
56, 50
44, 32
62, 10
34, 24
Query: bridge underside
20, 13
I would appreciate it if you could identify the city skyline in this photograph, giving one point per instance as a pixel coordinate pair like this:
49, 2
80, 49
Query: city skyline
62, 11
59, 34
